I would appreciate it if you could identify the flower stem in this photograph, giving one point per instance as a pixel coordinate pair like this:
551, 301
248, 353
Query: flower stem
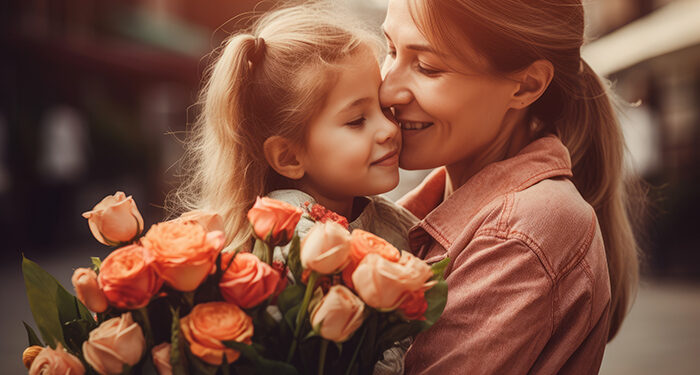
357, 350
322, 356
310, 286
148, 332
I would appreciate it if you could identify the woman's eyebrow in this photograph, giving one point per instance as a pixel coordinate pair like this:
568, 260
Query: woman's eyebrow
416, 47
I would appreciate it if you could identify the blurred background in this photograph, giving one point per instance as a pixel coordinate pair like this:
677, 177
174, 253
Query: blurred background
95, 97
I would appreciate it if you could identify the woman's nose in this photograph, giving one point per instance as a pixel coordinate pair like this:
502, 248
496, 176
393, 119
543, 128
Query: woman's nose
393, 90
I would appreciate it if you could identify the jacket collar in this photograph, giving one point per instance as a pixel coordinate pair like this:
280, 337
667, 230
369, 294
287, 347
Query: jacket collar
544, 158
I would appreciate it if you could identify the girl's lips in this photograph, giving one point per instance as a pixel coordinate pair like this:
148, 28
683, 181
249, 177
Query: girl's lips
389, 159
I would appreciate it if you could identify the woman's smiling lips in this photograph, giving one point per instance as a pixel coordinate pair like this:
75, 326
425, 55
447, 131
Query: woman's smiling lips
389, 159
414, 125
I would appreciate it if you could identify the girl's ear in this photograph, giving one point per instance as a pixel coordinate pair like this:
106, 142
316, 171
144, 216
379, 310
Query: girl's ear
532, 83
282, 157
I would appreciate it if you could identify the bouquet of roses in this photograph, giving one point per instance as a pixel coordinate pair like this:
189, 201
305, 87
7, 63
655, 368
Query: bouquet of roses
171, 302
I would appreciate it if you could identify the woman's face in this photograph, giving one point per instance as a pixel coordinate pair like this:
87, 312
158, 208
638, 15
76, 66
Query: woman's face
447, 117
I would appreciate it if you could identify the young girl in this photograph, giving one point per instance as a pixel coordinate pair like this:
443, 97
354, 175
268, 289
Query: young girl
291, 110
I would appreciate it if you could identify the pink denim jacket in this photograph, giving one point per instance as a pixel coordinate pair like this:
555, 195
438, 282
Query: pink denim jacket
528, 279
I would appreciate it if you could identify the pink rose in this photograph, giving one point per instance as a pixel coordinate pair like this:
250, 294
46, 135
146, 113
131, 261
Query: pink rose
115, 220
338, 315
211, 221
248, 281
384, 285
182, 252
116, 342
326, 248
56, 361
274, 221
88, 289
161, 358
126, 279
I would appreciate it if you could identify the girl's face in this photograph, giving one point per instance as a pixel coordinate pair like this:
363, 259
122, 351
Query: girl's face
352, 148
446, 116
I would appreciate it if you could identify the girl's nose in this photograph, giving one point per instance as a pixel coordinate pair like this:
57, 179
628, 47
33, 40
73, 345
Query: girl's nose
393, 90
388, 130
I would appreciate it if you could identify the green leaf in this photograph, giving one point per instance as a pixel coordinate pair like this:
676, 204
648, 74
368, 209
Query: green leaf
436, 297
291, 296
76, 332
291, 317
41, 293
263, 366
439, 268
398, 332
177, 352
367, 352
31, 335
96, 263
294, 258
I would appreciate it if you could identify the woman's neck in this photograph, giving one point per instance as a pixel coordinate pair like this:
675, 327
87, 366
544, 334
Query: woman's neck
514, 139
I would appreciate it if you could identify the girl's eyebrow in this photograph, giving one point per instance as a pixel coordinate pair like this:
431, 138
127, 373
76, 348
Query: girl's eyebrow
356, 103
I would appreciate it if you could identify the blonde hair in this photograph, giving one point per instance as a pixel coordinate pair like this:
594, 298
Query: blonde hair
511, 34
268, 81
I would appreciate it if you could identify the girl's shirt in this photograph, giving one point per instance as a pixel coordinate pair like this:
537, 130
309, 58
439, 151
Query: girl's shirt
528, 281
380, 216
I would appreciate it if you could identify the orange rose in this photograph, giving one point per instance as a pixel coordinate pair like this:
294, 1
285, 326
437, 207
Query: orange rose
326, 248
248, 281
161, 358
211, 221
58, 361
126, 279
338, 315
274, 221
363, 243
384, 285
414, 305
29, 354
182, 252
211, 323
115, 219
116, 342
88, 289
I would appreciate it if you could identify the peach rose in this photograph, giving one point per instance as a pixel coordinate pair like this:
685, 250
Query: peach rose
384, 285
248, 281
88, 289
29, 354
338, 315
116, 342
127, 280
56, 361
182, 252
161, 358
115, 219
274, 221
208, 324
211, 221
363, 243
326, 248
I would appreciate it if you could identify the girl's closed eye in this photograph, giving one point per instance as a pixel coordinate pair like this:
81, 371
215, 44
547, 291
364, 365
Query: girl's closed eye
357, 122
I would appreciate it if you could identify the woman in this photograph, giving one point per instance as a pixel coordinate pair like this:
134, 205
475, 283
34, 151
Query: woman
529, 203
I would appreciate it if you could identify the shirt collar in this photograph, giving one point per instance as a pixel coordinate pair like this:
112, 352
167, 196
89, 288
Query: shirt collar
544, 158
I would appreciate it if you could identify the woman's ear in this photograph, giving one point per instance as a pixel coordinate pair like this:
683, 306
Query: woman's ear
282, 157
532, 83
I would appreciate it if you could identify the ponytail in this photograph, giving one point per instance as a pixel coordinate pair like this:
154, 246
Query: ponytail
588, 126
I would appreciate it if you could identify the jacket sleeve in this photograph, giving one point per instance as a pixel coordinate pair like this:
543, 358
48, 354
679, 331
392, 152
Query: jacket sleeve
498, 317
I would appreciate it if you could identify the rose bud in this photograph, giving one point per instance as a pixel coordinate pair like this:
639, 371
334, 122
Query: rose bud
383, 284
127, 280
56, 361
161, 358
363, 243
116, 342
88, 289
248, 281
182, 253
326, 248
211, 221
115, 220
29, 354
274, 221
208, 324
339, 314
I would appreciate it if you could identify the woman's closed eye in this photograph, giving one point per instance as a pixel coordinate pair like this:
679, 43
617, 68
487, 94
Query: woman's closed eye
427, 70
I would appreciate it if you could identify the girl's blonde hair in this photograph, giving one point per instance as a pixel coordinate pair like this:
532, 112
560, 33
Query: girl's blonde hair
511, 34
268, 81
